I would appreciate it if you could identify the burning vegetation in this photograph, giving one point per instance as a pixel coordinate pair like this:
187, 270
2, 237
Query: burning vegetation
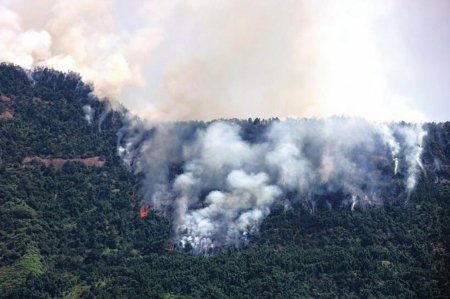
143, 212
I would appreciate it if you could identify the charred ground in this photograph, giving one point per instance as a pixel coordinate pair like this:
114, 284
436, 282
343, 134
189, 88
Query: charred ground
76, 232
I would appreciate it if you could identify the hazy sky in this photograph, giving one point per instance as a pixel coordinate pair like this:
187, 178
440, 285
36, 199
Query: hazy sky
380, 59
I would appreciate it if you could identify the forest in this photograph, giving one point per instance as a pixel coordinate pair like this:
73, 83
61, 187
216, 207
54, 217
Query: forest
75, 231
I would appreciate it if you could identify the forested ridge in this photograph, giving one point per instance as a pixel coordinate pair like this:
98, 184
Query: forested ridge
74, 231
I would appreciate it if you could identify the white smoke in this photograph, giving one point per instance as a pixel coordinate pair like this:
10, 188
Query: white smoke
88, 113
218, 186
393, 145
414, 147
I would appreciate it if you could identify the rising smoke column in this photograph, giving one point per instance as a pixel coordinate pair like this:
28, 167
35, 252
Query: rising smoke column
218, 186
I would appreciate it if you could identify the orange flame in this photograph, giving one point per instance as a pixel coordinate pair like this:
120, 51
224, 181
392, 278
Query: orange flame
144, 211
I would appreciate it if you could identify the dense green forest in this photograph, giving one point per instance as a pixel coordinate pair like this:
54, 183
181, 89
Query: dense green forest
75, 231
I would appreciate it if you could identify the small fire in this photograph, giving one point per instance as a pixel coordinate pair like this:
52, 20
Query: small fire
144, 211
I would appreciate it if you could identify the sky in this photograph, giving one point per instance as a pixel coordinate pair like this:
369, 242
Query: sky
197, 59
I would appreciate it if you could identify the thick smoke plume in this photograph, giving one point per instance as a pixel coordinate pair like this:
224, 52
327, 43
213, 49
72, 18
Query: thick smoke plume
81, 36
220, 180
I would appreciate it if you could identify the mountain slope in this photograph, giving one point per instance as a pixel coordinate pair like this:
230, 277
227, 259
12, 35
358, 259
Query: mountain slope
74, 231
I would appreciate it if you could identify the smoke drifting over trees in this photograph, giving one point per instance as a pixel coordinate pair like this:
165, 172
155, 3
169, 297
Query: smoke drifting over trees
196, 60
220, 180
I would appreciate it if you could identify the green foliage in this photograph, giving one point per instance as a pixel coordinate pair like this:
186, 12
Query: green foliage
15, 275
76, 232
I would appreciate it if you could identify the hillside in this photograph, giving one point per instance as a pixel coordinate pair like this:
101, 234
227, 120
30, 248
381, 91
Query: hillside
70, 224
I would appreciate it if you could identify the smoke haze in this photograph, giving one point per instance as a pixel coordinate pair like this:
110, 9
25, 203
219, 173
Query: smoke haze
194, 59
